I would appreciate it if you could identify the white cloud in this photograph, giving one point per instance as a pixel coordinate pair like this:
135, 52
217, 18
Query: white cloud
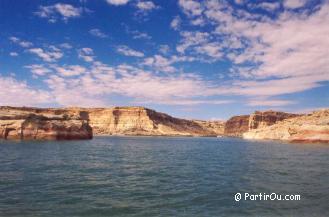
125, 50
98, 33
200, 43
212, 49
38, 70
188, 102
175, 23
192, 39
239, 2
191, 7
117, 2
146, 5
159, 63
66, 45
292, 4
22, 43
18, 93
87, 54
59, 10
271, 56
141, 35
269, 102
13, 54
164, 49
72, 70
97, 83
51, 55
269, 6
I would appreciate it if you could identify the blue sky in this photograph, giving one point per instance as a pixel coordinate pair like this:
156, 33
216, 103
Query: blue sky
193, 59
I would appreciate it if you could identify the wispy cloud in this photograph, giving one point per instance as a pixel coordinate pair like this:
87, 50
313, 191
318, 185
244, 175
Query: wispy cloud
164, 49
38, 70
146, 5
77, 85
159, 63
293, 4
24, 95
269, 102
66, 45
68, 71
140, 35
50, 55
136, 34
188, 102
117, 2
57, 11
271, 57
125, 50
13, 54
98, 33
191, 7
175, 23
22, 43
87, 54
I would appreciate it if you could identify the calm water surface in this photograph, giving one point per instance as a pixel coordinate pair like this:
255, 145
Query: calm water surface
159, 176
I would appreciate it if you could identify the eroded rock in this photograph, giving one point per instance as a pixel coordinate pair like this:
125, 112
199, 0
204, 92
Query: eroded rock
312, 127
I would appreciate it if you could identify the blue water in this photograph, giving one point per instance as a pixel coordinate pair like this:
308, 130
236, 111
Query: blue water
159, 176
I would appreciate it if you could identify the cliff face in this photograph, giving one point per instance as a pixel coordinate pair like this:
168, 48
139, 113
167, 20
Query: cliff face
267, 118
82, 123
20, 123
236, 125
142, 121
313, 127
76, 123
216, 126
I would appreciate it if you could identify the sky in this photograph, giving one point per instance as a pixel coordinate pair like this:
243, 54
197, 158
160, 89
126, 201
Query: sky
208, 59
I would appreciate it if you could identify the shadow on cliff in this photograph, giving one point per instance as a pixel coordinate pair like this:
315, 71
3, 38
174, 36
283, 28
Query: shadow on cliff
84, 115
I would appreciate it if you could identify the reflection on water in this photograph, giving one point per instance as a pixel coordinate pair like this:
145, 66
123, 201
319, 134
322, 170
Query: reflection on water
159, 176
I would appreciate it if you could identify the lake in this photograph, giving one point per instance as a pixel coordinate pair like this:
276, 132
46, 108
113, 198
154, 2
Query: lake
161, 176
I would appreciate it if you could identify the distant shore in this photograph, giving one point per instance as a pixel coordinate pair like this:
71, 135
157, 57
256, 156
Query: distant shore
84, 123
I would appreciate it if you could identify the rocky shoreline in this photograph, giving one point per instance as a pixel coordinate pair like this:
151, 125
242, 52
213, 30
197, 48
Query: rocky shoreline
84, 123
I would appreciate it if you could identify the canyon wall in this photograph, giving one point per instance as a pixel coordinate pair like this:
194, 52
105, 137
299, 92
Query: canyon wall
143, 121
83, 123
71, 123
236, 125
312, 127
215, 126
20, 123
260, 119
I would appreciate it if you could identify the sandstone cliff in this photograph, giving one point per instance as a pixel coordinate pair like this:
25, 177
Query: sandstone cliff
82, 123
70, 123
142, 121
236, 125
313, 127
27, 123
260, 119
216, 126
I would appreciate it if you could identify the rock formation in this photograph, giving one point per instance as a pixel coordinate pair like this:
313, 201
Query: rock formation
236, 125
142, 121
26, 123
216, 126
83, 123
260, 119
312, 127
73, 123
